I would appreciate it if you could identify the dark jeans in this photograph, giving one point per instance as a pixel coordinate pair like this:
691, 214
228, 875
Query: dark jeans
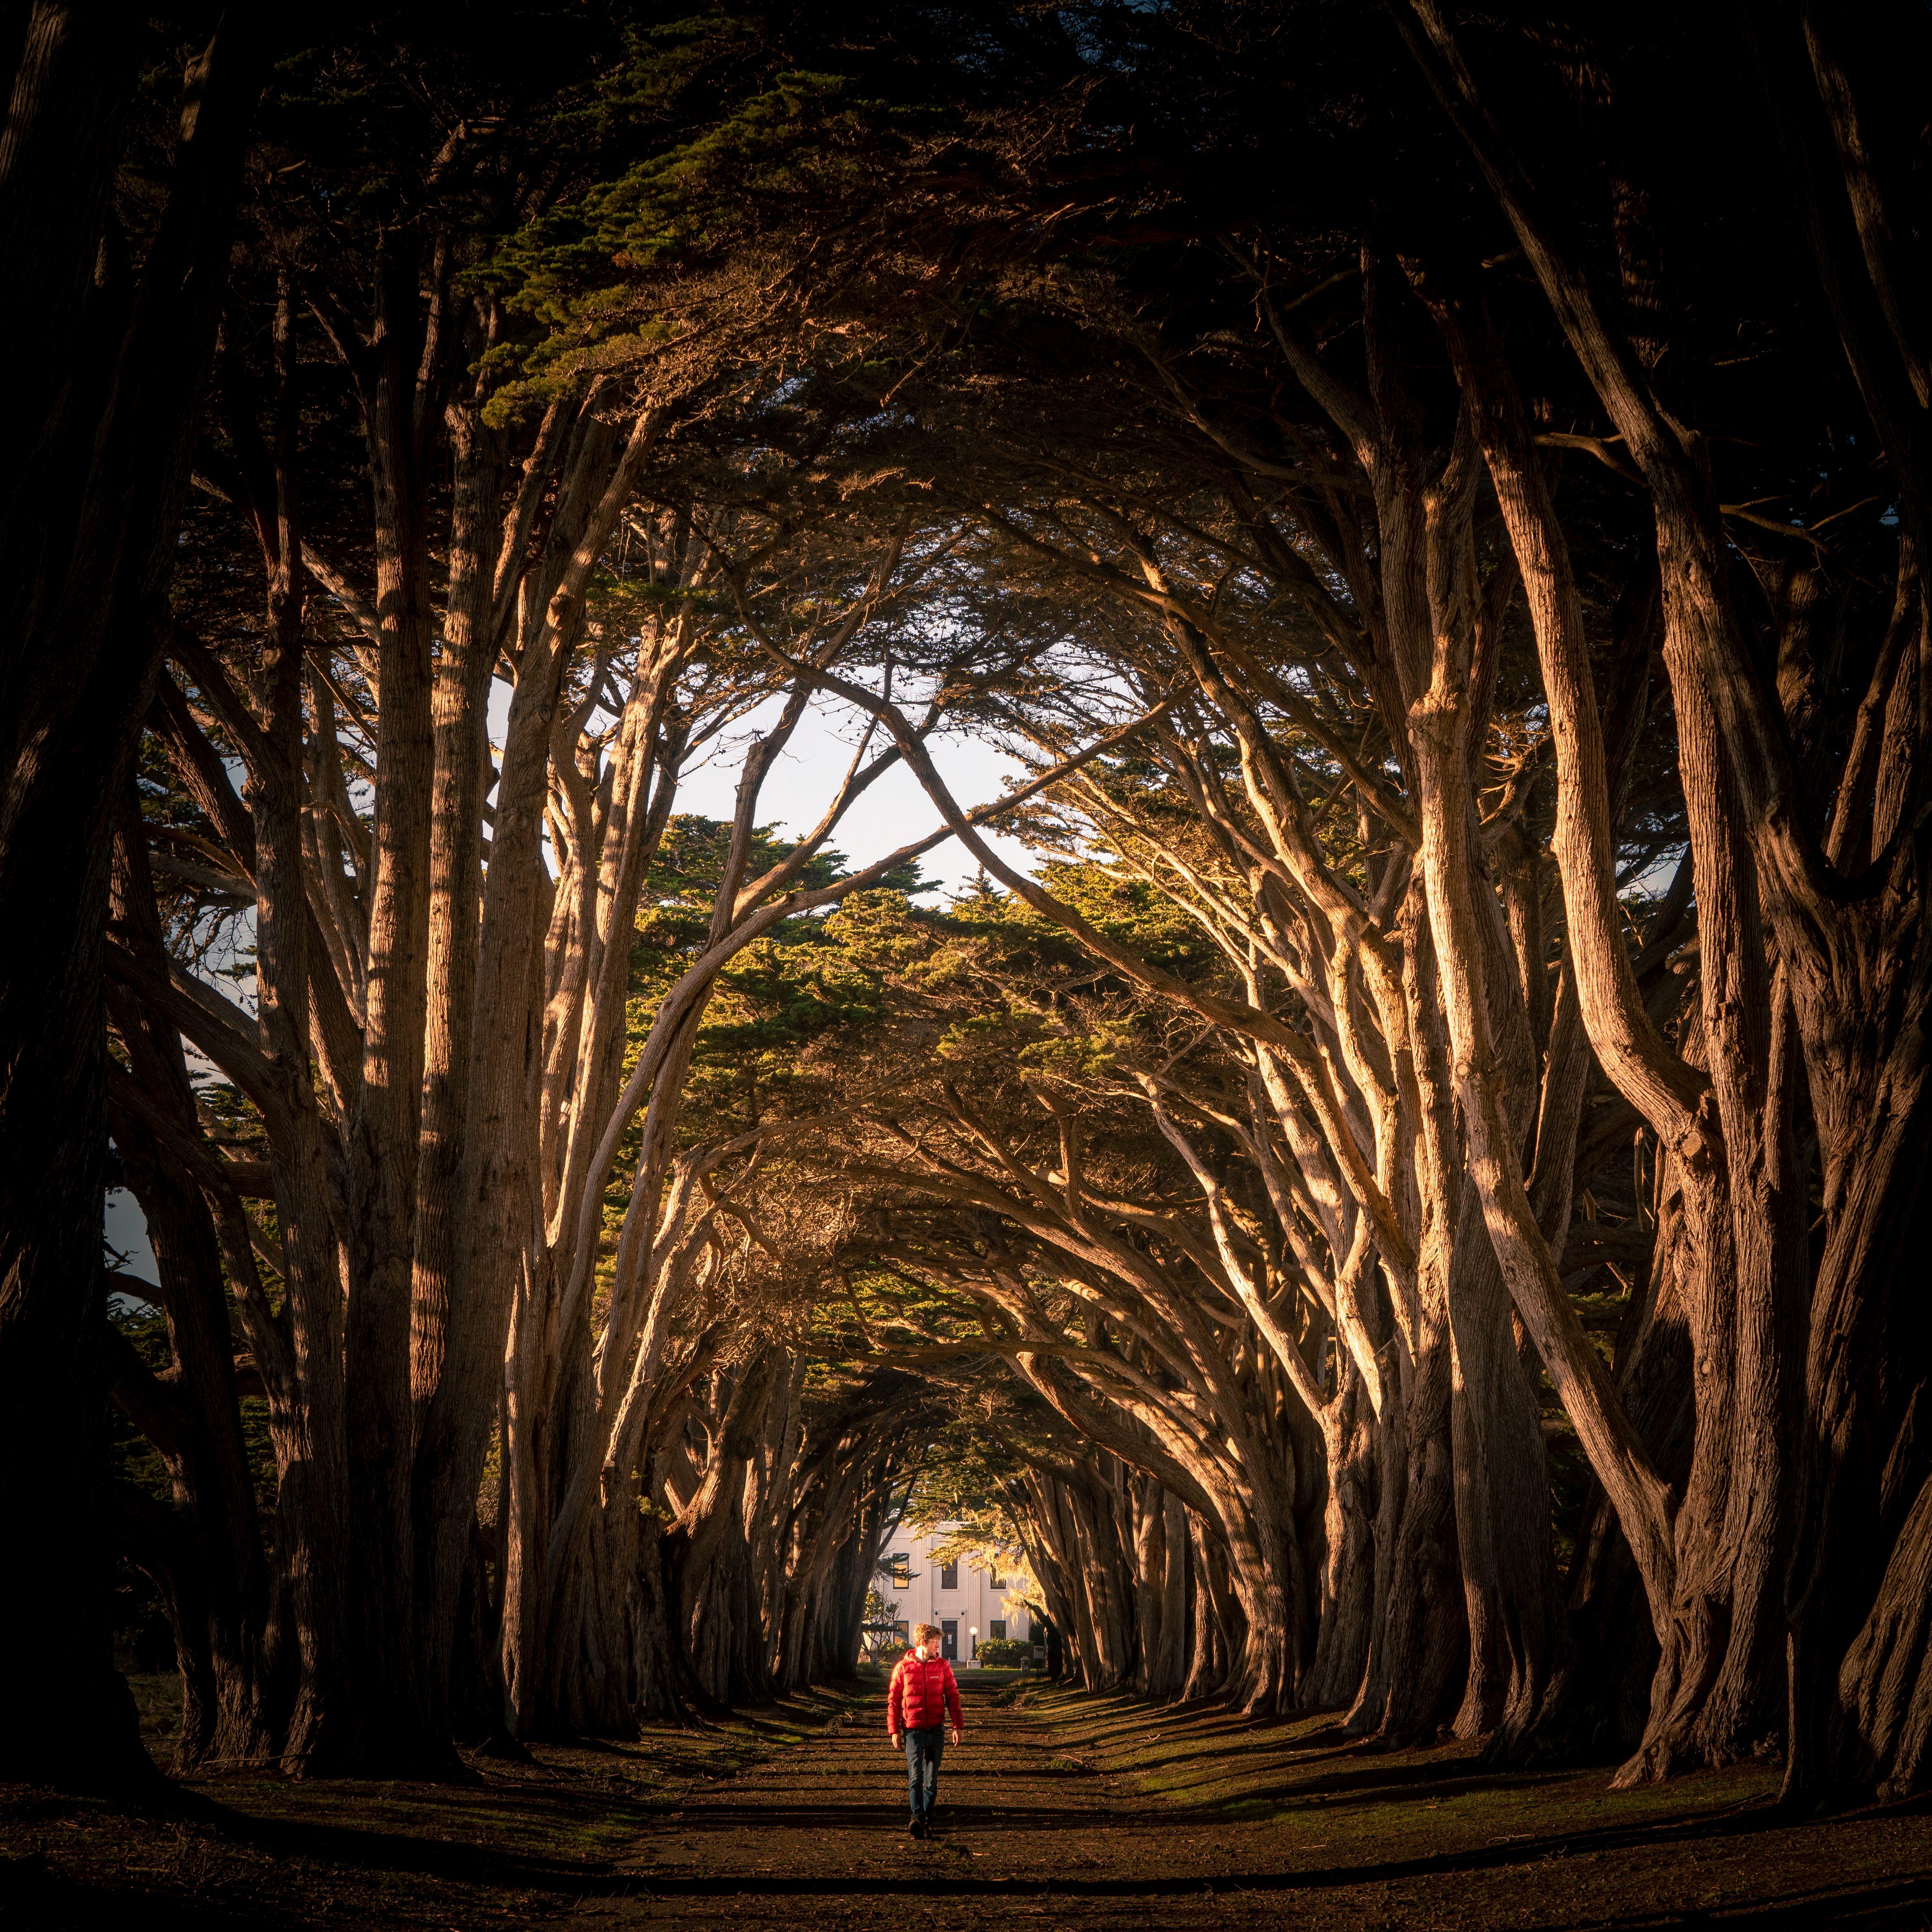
922, 1749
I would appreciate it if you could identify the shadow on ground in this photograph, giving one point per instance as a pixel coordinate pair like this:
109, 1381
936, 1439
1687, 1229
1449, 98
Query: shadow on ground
1063, 1809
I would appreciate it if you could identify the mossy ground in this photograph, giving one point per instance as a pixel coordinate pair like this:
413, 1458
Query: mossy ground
1432, 1837
516, 1846
1063, 1809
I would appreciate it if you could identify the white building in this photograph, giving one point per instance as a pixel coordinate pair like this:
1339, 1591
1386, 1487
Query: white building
967, 1601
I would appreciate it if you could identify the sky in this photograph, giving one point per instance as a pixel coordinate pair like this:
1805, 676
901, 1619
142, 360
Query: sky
892, 812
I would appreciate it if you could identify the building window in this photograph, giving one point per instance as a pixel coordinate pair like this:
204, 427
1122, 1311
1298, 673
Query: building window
903, 1632
998, 1582
949, 1575
902, 1570
997, 1630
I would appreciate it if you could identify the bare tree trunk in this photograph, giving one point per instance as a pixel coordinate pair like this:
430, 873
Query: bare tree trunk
96, 448
384, 1130
1345, 1618
1520, 1651
1882, 1737
196, 1422
1418, 1658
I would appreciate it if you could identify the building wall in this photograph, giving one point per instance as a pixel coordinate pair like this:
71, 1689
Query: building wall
975, 1605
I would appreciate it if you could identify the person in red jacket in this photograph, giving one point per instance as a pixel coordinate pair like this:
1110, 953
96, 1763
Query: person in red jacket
923, 1692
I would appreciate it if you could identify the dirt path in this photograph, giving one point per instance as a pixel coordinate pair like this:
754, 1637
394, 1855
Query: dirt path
1090, 1813
1060, 1811
1022, 1821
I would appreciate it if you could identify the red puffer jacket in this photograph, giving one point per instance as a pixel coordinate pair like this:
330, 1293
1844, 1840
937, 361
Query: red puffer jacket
921, 1694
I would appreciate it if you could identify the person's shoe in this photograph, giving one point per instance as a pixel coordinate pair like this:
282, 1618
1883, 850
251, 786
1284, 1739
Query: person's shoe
917, 1827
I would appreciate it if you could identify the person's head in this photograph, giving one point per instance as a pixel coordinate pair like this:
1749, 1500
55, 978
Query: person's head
925, 1641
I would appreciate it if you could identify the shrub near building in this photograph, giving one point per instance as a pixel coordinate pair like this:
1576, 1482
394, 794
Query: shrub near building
1003, 1653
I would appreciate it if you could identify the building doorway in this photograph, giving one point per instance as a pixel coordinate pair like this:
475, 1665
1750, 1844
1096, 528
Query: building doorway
949, 1640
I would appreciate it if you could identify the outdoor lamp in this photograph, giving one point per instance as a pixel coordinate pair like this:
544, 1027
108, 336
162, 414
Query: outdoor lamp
973, 1631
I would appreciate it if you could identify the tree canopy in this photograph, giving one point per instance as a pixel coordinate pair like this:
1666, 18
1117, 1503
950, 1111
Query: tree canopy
1404, 1201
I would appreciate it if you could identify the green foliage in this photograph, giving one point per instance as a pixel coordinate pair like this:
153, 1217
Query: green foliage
794, 140
811, 981
877, 1308
727, 139
1003, 1653
968, 1481
132, 1458
879, 1626
142, 1636
734, 164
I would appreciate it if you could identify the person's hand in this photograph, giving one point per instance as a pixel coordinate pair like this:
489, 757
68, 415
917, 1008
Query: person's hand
959, 1735
895, 1736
